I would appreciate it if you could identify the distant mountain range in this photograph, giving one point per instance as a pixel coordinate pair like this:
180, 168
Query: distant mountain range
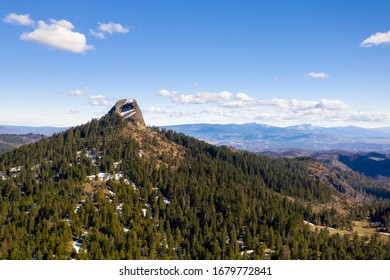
12, 136
260, 137
45, 130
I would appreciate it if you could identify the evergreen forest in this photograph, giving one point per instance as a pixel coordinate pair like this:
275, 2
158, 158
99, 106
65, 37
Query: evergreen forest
110, 189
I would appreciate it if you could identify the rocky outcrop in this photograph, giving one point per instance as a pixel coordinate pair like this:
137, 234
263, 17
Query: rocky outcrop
129, 110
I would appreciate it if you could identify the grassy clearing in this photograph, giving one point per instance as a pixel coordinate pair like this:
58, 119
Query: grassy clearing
362, 228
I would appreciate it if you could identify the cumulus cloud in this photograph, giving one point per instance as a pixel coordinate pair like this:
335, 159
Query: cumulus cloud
99, 100
58, 34
376, 39
18, 19
317, 75
109, 28
76, 92
240, 107
243, 97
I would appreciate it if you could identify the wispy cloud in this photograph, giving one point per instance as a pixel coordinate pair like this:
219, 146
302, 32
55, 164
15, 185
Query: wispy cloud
72, 112
108, 28
197, 98
58, 34
76, 92
203, 98
317, 75
99, 100
156, 110
243, 97
368, 117
165, 92
13, 18
194, 84
327, 104
376, 39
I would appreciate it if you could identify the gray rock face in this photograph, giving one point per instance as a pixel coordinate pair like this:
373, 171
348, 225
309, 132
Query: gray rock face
129, 111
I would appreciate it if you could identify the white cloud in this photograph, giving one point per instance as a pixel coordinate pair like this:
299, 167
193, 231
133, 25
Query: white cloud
165, 92
108, 28
97, 34
202, 98
99, 100
113, 28
244, 107
58, 34
156, 110
243, 97
317, 75
368, 117
292, 105
300, 105
72, 112
331, 104
198, 98
18, 19
376, 39
76, 92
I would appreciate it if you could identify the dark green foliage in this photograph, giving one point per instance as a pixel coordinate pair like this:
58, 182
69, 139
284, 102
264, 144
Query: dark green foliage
221, 203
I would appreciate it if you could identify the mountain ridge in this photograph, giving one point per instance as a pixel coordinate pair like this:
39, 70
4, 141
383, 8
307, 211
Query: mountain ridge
261, 137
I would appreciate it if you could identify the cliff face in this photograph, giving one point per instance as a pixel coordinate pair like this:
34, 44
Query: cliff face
129, 110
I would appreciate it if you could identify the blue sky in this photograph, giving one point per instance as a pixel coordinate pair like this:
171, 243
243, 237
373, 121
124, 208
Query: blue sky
275, 62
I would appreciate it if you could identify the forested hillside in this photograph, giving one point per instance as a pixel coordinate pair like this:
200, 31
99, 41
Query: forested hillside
9, 142
111, 189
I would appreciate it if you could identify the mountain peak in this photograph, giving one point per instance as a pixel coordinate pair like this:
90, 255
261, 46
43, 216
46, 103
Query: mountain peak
129, 110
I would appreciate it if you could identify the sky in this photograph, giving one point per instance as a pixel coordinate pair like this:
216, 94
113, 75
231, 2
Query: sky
274, 62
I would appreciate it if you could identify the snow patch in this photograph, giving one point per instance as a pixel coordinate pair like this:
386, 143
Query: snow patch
117, 163
120, 207
16, 169
77, 245
78, 207
247, 252
118, 176
111, 192
130, 112
134, 186
166, 200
